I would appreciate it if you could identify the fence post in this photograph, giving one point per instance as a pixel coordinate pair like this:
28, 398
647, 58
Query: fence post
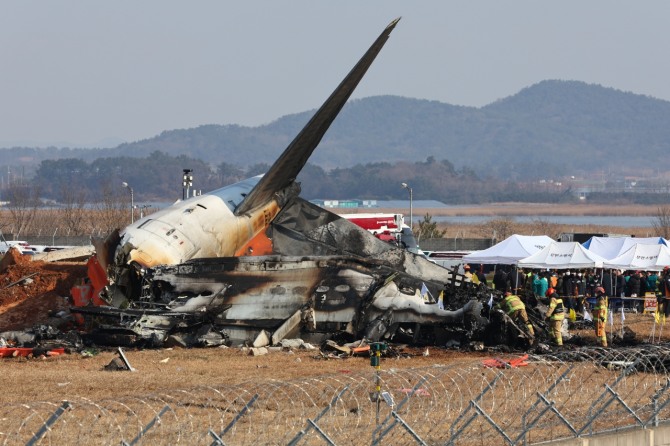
402, 403
312, 424
146, 428
657, 408
491, 422
550, 406
456, 434
607, 390
217, 438
47, 425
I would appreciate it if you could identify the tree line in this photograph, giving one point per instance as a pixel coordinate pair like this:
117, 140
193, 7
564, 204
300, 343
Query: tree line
158, 177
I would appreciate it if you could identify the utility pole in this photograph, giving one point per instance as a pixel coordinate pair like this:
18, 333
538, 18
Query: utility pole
132, 202
187, 182
411, 216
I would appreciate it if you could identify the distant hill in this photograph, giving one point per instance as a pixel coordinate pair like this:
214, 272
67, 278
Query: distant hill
561, 126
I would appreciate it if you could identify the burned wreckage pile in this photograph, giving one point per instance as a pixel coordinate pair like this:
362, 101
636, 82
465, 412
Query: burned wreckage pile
324, 276
331, 279
253, 262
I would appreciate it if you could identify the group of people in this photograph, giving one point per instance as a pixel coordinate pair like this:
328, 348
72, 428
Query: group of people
569, 290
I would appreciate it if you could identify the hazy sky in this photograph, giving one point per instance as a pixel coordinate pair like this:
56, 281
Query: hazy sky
78, 72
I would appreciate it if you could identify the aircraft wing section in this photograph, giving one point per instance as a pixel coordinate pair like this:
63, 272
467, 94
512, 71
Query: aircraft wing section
285, 170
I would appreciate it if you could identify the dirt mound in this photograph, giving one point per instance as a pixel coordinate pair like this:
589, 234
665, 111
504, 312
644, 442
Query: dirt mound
30, 291
12, 257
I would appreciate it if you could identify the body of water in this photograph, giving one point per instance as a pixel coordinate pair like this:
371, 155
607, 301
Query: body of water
621, 221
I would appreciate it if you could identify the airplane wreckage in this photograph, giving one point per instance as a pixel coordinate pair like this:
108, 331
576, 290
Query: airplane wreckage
253, 259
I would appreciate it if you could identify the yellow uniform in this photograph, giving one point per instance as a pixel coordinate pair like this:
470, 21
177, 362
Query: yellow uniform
599, 318
515, 309
556, 314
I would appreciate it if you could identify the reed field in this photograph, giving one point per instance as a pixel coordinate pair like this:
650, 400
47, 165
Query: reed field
502, 219
23, 223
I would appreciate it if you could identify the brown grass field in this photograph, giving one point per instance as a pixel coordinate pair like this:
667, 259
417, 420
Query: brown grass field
180, 375
56, 378
85, 222
541, 209
539, 212
164, 370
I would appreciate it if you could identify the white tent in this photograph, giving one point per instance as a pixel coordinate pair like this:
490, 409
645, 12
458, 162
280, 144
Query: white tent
563, 255
611, 247
643, 257
510, 250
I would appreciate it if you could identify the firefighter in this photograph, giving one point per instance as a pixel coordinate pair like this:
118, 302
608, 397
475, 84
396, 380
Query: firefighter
600, 316
469, 277
516, 310
555, 315
664, 288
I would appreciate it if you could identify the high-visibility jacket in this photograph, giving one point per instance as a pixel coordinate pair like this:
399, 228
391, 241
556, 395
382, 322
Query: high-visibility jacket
600, 310
511, 304
556, 309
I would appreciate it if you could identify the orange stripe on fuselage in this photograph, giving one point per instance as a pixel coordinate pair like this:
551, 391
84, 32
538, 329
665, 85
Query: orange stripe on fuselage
259, 244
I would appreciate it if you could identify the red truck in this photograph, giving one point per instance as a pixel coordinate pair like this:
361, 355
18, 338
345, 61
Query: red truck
387, 227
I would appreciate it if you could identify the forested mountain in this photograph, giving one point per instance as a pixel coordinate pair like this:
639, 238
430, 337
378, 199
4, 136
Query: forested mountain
564, 127
158, 178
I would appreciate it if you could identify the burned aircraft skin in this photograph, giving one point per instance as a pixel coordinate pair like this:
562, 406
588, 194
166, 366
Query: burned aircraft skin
242, 295
222, 223
326, 275
187, 270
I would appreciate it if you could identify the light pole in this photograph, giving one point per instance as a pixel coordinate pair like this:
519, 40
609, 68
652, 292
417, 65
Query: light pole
186, 182
406, 186
132, 202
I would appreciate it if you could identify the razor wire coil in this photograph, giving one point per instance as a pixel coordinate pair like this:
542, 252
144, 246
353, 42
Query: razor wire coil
554, 397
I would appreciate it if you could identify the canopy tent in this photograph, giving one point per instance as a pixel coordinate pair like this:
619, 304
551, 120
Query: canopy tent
611, 247
643, 257
563, 255
510, 250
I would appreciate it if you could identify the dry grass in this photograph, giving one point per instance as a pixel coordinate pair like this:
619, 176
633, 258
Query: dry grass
536, 209
206, 388
168, 372
73, 375
464, 230
508, 211
88, 221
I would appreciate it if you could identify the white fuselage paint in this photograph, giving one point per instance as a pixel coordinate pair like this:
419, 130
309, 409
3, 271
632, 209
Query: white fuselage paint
199, 227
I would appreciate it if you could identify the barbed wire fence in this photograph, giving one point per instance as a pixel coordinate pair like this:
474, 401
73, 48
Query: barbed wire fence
469, 403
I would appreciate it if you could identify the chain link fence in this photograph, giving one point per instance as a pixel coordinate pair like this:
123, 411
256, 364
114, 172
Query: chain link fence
55, 238
475, 402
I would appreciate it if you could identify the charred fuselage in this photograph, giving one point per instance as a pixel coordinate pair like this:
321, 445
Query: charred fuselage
190, 267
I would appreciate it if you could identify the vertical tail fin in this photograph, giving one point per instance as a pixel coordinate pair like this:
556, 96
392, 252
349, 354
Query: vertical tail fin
287, 167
